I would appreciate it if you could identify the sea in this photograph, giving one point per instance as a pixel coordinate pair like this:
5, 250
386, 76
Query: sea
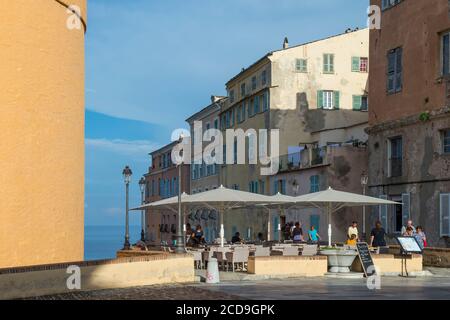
102, 242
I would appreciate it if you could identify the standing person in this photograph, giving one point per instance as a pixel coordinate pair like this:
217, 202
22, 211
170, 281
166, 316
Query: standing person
409, 232
421, 237
297, 233
287, 232
408, 224
353, 230
313, 235
377, 236
236, 238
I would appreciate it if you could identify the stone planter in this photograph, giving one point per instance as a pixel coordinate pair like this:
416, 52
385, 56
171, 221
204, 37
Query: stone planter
339, 261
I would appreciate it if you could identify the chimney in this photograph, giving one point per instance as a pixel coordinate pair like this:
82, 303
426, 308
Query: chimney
286, 43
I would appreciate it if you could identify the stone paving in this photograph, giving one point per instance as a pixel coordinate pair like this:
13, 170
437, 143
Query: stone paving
392, 288
161, 292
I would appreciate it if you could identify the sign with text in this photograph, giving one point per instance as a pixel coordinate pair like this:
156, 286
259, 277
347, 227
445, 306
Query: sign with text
366, 259
409, 245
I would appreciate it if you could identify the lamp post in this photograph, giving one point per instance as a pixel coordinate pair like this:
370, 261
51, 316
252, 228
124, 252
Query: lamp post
142, 184
364, 181
126, 173
179, 246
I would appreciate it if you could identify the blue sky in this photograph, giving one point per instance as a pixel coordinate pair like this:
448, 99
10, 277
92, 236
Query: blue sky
150, 64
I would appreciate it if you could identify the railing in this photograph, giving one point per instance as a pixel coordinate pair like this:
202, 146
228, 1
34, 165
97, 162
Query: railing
304, 159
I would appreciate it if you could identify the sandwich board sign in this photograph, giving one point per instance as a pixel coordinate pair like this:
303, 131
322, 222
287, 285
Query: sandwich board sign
366, 259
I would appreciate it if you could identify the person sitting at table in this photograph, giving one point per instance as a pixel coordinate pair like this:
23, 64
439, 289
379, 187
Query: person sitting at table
236, 238
260, 237
352, 241
197, 236
313, 235
297, 233
377, 236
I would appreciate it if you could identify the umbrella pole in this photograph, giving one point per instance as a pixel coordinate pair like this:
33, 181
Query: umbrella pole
329, 225
222, 230
268, 227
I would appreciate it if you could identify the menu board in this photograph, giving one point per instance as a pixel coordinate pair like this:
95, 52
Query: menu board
366, 259
409, 245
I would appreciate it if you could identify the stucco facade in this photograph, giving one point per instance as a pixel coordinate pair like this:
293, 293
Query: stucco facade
42, 133
410, 117
161, 183
298, 90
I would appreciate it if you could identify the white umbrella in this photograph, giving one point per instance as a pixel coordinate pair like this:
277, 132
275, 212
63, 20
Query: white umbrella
223, 199
333, 200
169, 203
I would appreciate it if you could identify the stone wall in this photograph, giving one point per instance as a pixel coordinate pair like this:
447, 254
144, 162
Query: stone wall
291, 266
95, 275
436, 257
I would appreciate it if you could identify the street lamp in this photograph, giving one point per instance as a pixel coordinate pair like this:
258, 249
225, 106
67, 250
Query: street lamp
126, 173
142, 184
179, 237
364, 181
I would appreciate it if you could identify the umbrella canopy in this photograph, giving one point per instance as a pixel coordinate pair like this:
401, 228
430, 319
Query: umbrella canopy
223, 199
333, 200
169, 202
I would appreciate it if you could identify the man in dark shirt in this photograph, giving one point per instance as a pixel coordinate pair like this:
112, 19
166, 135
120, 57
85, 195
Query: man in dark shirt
377, 236
236, 238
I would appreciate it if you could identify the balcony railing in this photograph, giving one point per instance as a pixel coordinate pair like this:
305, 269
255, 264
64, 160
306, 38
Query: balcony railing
304, 159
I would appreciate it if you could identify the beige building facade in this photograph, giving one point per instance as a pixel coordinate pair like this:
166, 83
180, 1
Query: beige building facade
299, 90
42, 140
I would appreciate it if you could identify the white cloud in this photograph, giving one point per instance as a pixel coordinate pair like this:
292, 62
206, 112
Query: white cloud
123, 147
113, 211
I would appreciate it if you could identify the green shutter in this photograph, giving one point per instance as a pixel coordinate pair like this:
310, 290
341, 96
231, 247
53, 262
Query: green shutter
336, 99
332, 63
320, 99
355, 64
357, 102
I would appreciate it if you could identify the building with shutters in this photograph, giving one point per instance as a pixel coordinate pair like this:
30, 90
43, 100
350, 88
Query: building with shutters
162, 183
301, 90
409, 116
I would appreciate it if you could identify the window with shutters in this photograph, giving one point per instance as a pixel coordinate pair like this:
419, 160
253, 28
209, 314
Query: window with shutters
314, 185
444, 210
254, 83
231, 96
301, 65
405, 208
328, 63
395, 157
394, 71
264, 78
256, 107
360, 64
446, 141
445, 53
328, 99
265, 101
386, 4
243, 90
360, 103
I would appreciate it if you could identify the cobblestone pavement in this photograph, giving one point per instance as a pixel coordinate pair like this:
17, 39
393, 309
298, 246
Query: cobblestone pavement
392, 288
162, 292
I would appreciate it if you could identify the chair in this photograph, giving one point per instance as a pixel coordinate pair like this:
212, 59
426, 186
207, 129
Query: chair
220, 255
290, 251
262, 252
240, 255
309, 250
197, 259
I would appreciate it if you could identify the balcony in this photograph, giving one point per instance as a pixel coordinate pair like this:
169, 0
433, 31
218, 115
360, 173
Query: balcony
304, 159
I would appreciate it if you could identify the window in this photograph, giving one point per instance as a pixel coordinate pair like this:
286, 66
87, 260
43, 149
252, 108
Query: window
266, 101
444, 209
386, 4
395, 157
394, 71
256, 107
216, 124
446, 54
314, 184
446, 141
243, 90
153, 188
360, 103
283, 186
231, 96
250, 108
264, 77
275, 187
262, 187
328, 63
328, 99
360, 64
254, 83
301, 65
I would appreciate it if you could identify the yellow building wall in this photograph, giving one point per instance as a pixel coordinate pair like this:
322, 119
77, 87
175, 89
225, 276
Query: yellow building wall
42, 133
